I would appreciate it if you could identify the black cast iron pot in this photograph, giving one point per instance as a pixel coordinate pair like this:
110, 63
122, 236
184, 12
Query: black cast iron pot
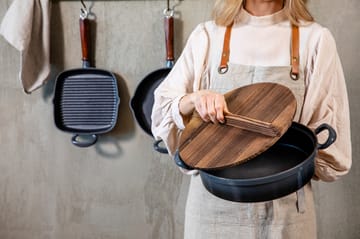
282, 169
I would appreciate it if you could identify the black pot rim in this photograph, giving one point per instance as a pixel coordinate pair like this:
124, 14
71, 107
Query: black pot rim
274, 177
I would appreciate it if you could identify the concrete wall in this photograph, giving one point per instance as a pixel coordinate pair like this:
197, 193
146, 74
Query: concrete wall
121, 187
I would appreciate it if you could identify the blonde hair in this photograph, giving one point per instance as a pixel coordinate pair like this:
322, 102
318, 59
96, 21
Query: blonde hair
226, 11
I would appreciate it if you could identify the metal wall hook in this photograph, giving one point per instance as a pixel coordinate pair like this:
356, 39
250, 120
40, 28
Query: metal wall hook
168, 5
86, 11
83, 11
84, 14
82, 2
170, 11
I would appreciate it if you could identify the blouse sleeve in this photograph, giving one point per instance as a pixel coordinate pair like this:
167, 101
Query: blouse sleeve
184, 78
326, 101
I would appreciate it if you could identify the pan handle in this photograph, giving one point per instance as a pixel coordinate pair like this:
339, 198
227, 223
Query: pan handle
158, 148
179, 162
169, 37
331, 138
88, 142
85, 41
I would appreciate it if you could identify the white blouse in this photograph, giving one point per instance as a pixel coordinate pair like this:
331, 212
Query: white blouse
265, 41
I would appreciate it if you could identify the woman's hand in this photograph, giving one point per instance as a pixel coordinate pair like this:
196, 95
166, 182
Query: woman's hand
210, 105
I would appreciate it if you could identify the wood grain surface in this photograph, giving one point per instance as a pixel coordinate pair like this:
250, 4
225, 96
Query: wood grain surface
212, 146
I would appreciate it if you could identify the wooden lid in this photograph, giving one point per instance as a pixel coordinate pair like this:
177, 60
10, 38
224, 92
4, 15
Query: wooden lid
212, 146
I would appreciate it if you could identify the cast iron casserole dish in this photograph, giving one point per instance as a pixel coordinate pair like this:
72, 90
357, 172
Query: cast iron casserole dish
220, 152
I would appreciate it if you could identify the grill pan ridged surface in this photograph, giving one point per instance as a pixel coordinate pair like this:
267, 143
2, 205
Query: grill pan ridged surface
86, 103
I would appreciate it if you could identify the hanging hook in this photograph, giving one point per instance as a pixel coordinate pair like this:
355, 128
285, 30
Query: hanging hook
168, 12
84, 12
82, 2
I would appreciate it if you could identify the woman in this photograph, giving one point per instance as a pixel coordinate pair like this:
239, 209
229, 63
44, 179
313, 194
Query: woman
260, 43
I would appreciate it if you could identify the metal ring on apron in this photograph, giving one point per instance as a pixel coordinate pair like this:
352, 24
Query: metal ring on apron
294, 76
223, 69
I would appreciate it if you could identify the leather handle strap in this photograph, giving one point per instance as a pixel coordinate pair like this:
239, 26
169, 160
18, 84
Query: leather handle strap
295, 55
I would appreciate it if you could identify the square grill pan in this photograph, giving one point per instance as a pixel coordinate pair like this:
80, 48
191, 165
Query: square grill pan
86, 101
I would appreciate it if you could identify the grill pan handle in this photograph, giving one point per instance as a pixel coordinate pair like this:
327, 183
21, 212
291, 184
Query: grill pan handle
169, 37
84, 143
85, 42
331, 138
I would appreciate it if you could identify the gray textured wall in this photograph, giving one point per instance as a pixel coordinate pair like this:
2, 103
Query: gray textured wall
121, 188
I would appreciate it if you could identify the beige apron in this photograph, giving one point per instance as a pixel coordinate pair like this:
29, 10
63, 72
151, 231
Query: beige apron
210, 217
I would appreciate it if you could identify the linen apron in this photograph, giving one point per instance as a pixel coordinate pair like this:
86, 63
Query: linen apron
289, 217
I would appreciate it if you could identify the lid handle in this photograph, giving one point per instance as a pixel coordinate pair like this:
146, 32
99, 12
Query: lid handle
253, 125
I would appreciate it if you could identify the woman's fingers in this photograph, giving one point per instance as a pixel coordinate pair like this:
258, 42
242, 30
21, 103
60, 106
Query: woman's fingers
220, 105
210, 106
200, 106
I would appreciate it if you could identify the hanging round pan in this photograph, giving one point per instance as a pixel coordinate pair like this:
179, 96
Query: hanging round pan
143, 99
86, 99
250, 161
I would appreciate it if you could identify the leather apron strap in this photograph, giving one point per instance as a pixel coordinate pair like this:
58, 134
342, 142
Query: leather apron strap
223, 68
295, 56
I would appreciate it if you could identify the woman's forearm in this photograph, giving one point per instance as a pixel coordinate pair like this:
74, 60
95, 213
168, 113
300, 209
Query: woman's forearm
186, 105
